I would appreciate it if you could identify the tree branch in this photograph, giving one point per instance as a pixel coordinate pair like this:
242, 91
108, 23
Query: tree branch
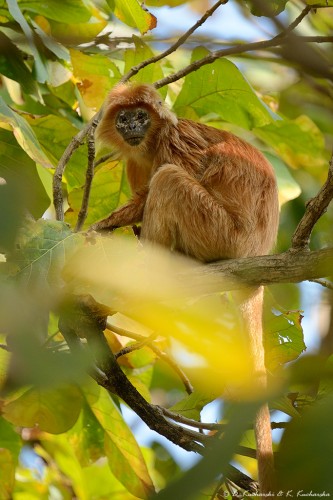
296, 22
240, 49
315, 208
89, 178
156, 350
175, 46
75, 143
287, 267
82, 316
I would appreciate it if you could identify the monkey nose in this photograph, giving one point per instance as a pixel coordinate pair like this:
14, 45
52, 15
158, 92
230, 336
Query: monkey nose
132, 126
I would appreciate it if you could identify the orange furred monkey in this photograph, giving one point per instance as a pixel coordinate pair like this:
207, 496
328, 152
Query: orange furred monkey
200, 191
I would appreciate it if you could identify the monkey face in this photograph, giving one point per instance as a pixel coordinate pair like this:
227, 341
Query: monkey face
132, 124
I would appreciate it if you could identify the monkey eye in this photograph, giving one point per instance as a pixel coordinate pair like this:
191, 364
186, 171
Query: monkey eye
141, 115
122, 118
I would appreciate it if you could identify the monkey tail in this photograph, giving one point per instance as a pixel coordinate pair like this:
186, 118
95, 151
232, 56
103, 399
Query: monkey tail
251, 310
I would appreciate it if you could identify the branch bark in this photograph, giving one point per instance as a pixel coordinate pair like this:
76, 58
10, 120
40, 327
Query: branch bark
279, 40
315, 208
89, 178
82, 316
287, 267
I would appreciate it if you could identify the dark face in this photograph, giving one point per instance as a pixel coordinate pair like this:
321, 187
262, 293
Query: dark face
132, 125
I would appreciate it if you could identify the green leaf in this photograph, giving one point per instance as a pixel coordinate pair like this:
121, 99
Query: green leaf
10, 439
52, 410
25, 185
171, 3
141, 52
66, 11
268, 9
305, 452
97, 75
133, 14
55, 47
54, 134
14, 9
109, 190
284, 340
285, 405
73, 33
220, 89
24, 134
5, 17
87, 437
125, 458
299, 142
43, 248
288, 187
323, 3
63, 455
7, 473
13, 66
101, 483
192, 405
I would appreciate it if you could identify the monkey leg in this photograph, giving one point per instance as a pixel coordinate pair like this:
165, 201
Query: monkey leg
181, 214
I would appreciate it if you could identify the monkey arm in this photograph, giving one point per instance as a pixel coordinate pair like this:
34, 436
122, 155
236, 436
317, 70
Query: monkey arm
128, 214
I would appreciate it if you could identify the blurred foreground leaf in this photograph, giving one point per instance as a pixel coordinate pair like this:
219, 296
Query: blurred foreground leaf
306, 451
146, 285
52, 410
42, 249
124, 455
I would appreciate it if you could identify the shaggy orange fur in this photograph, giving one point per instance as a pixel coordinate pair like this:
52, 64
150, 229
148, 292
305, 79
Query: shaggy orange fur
203, 192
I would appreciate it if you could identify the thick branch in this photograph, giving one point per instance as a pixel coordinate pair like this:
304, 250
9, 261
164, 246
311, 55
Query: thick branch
288, 267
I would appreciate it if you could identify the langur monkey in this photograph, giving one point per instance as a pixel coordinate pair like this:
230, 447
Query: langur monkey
200, 191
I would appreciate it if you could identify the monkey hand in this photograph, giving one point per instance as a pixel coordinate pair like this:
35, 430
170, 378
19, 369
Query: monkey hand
103, 226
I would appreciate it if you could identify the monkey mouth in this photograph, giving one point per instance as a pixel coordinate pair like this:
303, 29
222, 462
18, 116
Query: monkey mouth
135, 140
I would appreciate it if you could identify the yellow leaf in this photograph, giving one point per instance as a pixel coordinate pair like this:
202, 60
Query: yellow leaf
148, 286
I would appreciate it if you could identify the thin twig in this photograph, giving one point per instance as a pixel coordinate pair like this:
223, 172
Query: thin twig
192, 423
75, 143
297, 21
175, 46
109, 156
135, 347
237, 49
89, 178
279, 425
162, 355
315, 208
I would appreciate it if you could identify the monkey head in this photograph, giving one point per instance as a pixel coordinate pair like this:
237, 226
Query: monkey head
132, 124
133, 117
